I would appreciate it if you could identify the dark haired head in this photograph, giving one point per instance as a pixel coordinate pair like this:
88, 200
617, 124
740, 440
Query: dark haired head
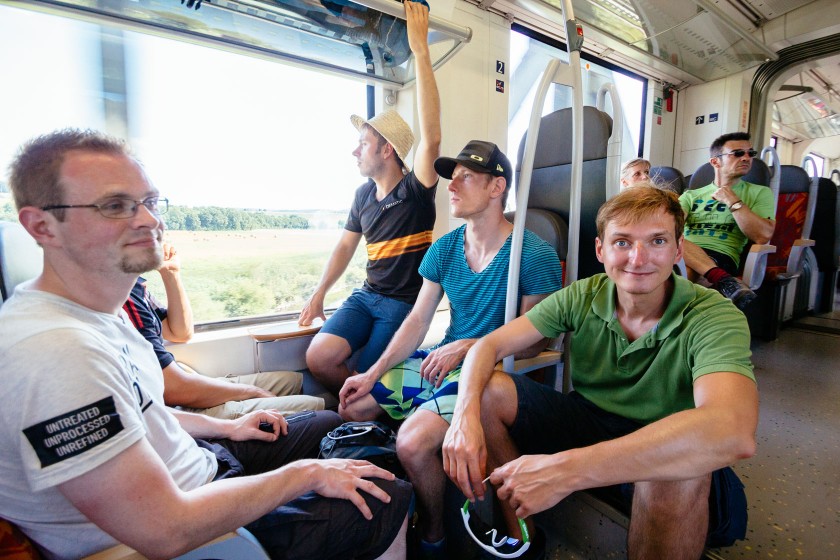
717, 146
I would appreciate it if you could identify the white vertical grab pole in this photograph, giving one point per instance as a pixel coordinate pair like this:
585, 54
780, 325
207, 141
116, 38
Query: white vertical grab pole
569, 75
616, 138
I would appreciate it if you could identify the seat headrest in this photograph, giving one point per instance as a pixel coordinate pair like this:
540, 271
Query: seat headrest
554, 143
794, 179
669, 178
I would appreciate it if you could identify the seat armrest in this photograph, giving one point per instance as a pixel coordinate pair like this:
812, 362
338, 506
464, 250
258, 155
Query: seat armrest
797, 255
543, 359
756, 264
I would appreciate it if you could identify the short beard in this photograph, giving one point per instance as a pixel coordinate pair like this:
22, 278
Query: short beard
150, 261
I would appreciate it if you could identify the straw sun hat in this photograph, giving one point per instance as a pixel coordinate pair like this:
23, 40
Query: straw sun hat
392, 127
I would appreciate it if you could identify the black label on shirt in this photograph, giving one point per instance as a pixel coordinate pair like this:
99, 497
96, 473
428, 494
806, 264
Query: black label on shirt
70, 434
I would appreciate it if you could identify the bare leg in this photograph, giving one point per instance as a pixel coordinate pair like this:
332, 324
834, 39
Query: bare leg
697, 262
418, 447
669, 519
397, 550
499, 406
363, 409
325, 358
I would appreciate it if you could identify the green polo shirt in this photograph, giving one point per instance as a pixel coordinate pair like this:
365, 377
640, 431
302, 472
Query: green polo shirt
700, 332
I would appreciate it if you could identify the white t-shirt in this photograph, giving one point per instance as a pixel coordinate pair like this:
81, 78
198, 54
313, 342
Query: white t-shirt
78, 388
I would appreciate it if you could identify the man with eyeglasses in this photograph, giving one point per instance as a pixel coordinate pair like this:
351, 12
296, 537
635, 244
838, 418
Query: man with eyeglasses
90, 453
723, 216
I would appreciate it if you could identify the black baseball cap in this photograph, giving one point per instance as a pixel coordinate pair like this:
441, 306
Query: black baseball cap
484, 157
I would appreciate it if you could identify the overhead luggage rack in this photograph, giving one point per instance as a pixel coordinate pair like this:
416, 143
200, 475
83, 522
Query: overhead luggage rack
362, 40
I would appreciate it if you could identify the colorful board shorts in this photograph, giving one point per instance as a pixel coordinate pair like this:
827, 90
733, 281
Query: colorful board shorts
402, 390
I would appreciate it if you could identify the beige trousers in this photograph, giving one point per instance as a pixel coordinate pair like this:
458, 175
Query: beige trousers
285, 384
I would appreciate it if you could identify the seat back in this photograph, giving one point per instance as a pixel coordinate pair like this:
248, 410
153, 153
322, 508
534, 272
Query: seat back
826, 235
549, 199
792, 216
668, 178
20, 258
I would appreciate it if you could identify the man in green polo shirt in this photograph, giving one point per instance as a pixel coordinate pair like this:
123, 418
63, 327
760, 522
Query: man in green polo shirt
723, 216
664, 391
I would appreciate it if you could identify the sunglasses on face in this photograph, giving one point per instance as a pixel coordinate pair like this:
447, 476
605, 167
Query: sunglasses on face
740, 153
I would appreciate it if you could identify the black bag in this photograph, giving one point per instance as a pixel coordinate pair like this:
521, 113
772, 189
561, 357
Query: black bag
371, 441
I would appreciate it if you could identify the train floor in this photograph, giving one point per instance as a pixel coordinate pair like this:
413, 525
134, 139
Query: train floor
792, 483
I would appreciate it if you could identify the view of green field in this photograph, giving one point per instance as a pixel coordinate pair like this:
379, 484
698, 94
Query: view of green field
235, 274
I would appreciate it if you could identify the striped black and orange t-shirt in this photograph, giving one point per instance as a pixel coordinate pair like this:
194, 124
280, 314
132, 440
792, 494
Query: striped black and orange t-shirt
398, 231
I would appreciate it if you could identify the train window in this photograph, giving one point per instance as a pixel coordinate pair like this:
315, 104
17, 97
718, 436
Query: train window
819, 161
254, 156
530, 53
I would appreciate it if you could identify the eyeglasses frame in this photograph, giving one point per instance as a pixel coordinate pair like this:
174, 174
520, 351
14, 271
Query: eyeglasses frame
752, 152
137, 203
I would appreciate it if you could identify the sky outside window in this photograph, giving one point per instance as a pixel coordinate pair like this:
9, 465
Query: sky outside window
211, 127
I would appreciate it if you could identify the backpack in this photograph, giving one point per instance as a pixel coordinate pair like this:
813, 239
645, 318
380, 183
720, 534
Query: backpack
371, 441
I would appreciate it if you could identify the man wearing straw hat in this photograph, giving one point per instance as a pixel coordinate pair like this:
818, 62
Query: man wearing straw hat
395, 212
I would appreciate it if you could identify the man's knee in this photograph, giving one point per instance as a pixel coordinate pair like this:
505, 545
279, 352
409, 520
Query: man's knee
499, 402
326, 352
420, 437
361, 410
665, 500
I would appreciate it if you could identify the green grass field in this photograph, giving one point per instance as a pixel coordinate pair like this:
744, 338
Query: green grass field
235, 274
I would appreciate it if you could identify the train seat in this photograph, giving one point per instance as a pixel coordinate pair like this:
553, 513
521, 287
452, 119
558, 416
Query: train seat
826, 235
550, 190
668, 178
797, 197
549, 201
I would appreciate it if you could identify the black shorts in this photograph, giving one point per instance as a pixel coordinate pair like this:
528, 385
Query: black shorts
318, 528
548, 421
311, 526
723, 261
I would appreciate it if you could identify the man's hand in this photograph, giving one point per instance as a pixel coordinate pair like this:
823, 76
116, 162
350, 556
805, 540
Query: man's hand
442, 360
254, 392
725, 195
465, 455
171, 260
343, 478
417, 26
314, 308
529, 484
247, 427
355, 387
